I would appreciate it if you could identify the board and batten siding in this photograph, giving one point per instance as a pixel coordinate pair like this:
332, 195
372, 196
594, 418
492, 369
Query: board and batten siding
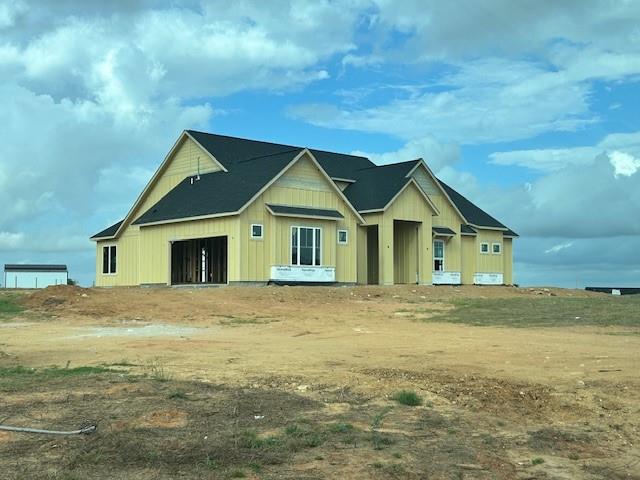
507, 258
127, 260
302, 185
489, 262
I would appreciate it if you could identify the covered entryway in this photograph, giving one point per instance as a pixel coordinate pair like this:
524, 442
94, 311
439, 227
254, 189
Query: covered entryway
405, 252
199, 261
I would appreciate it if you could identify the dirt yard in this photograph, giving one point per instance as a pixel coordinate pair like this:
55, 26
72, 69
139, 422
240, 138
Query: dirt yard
299, 383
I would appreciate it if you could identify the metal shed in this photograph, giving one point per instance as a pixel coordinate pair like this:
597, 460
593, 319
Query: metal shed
34, 276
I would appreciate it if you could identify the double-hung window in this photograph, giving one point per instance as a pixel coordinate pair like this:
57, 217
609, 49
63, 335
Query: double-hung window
109, 260
306, 246
438, 255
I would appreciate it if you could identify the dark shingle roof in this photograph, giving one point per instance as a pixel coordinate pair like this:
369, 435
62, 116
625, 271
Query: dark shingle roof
304, 211
472, 213
376, 186
218, 192
230, 150
110, 231
443, 231
34, 268
467, 230
252, 164
510, 233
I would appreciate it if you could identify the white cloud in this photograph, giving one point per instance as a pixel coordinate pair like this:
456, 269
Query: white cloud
624, 164
559, 247
623, 148
436, 154
484, 101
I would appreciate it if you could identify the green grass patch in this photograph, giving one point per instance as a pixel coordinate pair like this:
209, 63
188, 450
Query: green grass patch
537, 461
407, 397
232, 321
341, 428
545, 312
51, 372
9, 305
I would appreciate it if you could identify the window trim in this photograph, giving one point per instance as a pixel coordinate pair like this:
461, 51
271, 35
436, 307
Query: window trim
109, 247
488, 252
254, 237
499, 252
346, 236
433, 266
313, 256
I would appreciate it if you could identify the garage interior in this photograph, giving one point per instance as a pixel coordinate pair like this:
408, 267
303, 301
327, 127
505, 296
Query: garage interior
199, 261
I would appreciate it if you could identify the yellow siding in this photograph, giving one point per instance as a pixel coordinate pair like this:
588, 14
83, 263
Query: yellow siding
302, 185
489, 262
182, 164
127, 261
507, 252
155, 245
469, 254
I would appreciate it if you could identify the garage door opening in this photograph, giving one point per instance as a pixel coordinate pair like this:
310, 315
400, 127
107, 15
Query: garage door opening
200, 261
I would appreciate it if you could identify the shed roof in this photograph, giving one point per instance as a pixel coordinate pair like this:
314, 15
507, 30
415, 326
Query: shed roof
289, 211
444, 231
34, 268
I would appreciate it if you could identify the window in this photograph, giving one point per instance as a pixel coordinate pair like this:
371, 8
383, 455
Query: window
484, 248
109, 260
306, 246
496, 248
256, 230
438, 255
342, 237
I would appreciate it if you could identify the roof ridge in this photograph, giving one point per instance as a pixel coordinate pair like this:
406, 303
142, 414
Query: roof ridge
295, 149
395, 164
277, 144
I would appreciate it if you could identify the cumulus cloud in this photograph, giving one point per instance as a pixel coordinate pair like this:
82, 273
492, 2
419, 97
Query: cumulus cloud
484, 101
94, 94
436, 154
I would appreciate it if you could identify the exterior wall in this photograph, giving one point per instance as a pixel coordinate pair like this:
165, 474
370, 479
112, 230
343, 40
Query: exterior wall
469, 255
34, 279
302, 185
507, 256
127, 260
489, 262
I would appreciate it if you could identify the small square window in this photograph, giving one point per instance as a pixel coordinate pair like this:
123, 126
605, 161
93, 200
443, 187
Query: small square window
256, 230
496, 248
342, 237
484, 248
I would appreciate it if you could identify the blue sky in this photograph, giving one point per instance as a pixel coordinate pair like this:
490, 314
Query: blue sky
528, 108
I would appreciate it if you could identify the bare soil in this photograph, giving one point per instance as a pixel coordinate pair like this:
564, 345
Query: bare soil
292, 382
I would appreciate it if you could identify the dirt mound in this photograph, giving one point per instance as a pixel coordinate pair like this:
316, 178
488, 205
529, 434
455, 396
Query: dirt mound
54, 296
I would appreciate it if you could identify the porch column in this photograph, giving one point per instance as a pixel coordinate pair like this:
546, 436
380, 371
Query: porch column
385, 251
425, 254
